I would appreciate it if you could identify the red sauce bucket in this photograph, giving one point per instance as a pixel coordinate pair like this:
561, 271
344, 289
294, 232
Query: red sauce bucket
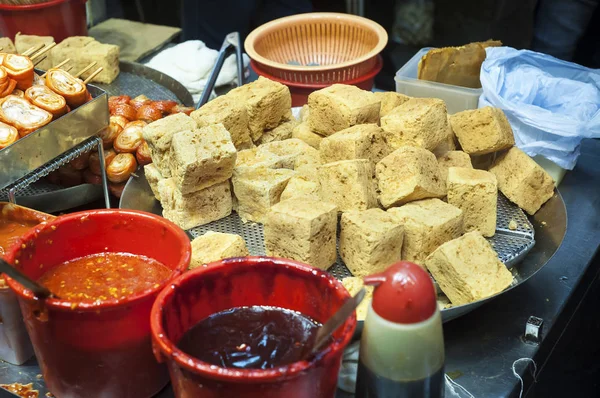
245, 282
97, 349
57, 18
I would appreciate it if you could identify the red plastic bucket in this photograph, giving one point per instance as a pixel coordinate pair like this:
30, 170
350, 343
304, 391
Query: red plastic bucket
100, 349
57, 18
301, 91
244, 282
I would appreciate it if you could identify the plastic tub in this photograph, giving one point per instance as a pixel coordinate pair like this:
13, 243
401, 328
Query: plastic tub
457, 98
15, 346
301, 91
244, 282
100, 349
57, 18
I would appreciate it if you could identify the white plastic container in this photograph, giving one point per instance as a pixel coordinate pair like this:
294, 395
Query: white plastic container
457, 98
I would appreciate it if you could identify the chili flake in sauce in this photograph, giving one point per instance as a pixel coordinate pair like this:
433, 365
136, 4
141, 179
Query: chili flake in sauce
104, 276
22, 390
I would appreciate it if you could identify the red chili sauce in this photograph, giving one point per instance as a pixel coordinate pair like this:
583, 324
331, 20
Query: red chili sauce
11, 231
104, 276
21, 390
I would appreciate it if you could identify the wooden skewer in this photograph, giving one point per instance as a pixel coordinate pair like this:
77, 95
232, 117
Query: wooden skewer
81, 72
57, 66
1, 48
37, 61
90, 77
68, 69
33, 49
43, 51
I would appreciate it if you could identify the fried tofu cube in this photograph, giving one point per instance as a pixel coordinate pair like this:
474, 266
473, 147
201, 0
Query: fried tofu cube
340, 106
302, 230
159, 135
370, 241
448, 144
427, 224
82, 51
348, 184
364, 141
288, 151
475, 192
353, 284
408, 174
389, 100
419, 122
304, 184
467, 269
279, 133
255, 158
153, 176
481, 131
453, 159
267, 103
197, 208
304, 133
215, 246
258, 190
201, 158
229, 112
522, 180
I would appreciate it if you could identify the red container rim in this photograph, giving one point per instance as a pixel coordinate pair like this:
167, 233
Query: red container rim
38, 6
169, 350
367, 76
66, 305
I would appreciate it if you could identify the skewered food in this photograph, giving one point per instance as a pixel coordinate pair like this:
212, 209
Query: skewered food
38, 80
91, 178
19, 113
18, 93
81, 161
69, 176
139, 101
115, 100
62, 83
110, 134
121, 168
142, 154
164, 106
8, 135
182, 109
9, 87
149, 113
94, 160
139, 123
19, 68
47, 99
120, 120
116, 189
129, 139
125, 110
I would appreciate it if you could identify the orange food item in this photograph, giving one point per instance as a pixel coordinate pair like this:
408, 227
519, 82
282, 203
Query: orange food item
109, 134
69, 176
53, 178
125, 110
9, 87
38, 80
62, 83
116, 189
142, 154
129, 139
18, 112
47, 99
105, 276
121, 168
18, 93
94, 160
81, 161
3, 75
19, 68
139, 123
148, 113
21, 390
164, 106
114, 100
91, 178
138, 103
182, 109
8, 135
11, 231
120, 120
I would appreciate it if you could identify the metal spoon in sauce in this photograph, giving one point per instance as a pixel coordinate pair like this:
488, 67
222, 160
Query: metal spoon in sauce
324, 332
38, 290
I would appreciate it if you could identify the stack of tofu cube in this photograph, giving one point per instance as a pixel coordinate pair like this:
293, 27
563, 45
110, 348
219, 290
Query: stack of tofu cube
383, 176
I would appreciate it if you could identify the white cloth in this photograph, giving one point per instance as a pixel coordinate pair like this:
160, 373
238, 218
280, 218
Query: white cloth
191, 62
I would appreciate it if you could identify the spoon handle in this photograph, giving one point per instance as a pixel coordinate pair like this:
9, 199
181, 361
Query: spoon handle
337, 320
38, 290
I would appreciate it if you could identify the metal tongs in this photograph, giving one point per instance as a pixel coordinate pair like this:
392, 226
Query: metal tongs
231, 43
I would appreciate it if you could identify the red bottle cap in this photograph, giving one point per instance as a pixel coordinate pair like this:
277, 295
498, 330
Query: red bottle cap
404, 293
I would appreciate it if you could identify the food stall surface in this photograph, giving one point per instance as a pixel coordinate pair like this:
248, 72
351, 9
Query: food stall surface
482, 346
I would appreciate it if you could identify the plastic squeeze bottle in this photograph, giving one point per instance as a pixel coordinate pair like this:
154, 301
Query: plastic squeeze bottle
402, 344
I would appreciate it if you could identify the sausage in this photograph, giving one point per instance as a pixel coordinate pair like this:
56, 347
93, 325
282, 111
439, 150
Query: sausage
139, 123
91, 178
120, 120
148, 113
116, 189
142, 154
94, 160
109, 134
114, 100
129, 139
81, 162
125, 110
69, 177
164, 106
121, 167
182, 109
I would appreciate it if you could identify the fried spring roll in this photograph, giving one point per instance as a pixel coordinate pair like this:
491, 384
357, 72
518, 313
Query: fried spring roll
94, 160
19, 113
47, 99
9, 88
139, 123
143, 155
19, 68
129, 140
18, 93
121, 167
120, 120
62, 83
109, 134
124, 110
8, 135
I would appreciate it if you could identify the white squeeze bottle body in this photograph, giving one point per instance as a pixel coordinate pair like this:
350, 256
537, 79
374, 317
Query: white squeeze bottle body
402, 344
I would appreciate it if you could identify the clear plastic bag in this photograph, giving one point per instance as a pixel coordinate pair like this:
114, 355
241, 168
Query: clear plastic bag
551, 104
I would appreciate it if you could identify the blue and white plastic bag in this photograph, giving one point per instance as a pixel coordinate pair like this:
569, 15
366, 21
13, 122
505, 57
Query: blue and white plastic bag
551, 104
